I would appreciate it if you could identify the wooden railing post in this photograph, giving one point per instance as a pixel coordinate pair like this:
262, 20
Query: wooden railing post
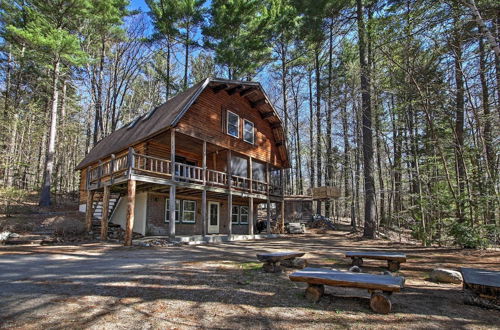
112, 168
172, 152
88, 177
99, 174
130, 160
250, 173
204, 162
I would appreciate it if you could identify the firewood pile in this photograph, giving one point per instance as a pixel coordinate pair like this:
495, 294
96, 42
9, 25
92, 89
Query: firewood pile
322, 222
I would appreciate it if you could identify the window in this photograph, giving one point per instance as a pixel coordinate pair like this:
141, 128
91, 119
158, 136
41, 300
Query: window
236, 214
188, 211
244, 215
233, 124
177, 210
248, 131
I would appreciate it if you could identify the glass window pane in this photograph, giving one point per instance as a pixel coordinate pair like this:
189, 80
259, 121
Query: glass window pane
248, 135
236, 214
233, 123
188, 211
244, 214
177, 210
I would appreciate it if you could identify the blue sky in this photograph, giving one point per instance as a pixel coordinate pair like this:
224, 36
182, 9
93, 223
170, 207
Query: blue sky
138, 4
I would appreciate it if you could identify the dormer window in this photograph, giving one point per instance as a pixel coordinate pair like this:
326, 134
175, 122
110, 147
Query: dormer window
248, 130
233, 124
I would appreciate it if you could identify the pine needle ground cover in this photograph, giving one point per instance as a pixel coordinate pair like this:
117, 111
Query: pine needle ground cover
108, 286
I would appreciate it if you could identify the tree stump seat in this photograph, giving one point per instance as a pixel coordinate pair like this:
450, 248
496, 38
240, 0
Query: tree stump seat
394, 259
381, 287
481, 287
273, 262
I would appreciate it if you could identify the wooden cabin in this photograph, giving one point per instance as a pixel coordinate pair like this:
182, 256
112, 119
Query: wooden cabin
206, 158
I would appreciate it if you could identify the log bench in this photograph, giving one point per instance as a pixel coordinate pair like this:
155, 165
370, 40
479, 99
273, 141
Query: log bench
481, 287
394, 259
274, 261
381, 287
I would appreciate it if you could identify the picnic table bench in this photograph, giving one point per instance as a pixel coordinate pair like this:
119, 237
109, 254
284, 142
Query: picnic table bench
273, 261
381, 287
394, 259
481, 287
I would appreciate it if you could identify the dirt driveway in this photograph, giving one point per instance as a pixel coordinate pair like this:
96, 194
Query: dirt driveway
221, 286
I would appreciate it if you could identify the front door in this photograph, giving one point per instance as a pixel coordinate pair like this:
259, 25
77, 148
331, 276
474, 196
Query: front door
213, 217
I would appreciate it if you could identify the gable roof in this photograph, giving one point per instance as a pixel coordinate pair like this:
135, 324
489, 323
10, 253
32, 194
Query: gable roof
169, 113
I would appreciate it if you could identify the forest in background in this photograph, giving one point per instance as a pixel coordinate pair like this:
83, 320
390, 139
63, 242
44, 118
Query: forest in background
396, 103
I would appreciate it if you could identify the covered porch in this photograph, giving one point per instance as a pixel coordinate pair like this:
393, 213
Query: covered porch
196, 169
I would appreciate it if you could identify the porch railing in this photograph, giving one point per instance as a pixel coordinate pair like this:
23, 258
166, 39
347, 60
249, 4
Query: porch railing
111, 169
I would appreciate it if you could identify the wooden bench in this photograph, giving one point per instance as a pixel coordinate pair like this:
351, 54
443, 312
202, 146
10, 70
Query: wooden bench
394, 259
272, 261
381, 287
481, 287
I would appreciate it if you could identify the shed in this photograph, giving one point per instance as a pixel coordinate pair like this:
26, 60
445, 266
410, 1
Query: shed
298, 208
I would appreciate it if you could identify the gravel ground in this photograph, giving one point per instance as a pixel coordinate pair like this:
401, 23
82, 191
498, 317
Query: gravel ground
107, 286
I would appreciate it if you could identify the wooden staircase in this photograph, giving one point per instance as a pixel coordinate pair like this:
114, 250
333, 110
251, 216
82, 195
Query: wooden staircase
97, 215
97, 207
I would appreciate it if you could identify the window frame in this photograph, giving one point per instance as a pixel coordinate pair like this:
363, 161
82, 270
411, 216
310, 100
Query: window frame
237, 124
247, 214
235, 214
177, 212
184, 210
253, 131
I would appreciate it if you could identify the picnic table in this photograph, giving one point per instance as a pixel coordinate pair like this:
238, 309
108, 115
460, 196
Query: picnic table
394, 259
481, 287
381, 287
273, 261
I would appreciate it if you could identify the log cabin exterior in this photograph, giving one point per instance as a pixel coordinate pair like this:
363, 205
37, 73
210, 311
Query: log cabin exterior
206, 158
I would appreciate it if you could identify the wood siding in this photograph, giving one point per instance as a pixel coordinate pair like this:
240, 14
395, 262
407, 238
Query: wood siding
206, 120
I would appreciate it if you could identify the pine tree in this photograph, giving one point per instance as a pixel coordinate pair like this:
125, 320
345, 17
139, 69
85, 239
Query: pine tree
51, 28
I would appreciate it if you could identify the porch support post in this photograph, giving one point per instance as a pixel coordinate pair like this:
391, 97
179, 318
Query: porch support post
171, 223
250, 216
130, 212
204, 162
172, 152
89, 210
282, 214
204, 229
105, 213
204, 211
250, 173
268, 200
229, 195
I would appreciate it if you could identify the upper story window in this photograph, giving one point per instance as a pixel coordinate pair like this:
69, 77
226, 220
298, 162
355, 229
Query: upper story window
233, 124
248, 131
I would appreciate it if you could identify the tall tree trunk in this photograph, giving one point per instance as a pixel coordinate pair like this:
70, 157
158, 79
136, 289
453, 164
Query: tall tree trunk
329, 137
459, 118
311, 130
167, 83
186, 59
318, 124
369, 184
98, 119
348, 203
487, 137
45, 199
300, 184
284, 88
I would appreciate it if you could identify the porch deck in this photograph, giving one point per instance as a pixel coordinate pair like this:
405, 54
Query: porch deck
145, 168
